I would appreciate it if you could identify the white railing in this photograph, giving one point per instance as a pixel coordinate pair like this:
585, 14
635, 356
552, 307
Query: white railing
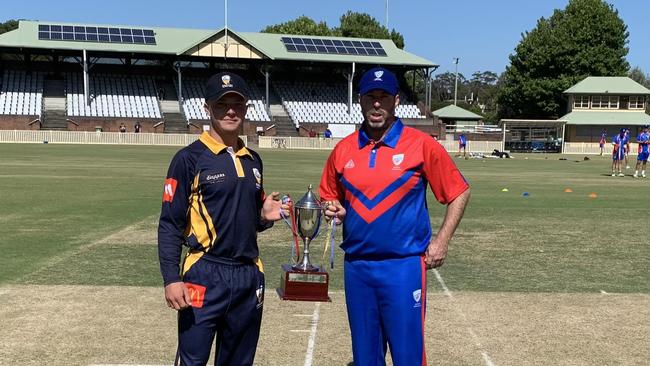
109, 138
473, 146
289, 142
320, 143
592, 148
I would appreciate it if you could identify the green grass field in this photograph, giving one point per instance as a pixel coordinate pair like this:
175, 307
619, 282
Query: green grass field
87, 216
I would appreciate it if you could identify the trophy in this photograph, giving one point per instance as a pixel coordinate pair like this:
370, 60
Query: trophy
304, 281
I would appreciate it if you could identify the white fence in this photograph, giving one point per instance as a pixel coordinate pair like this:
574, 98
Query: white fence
109, 138
320, 143
289, 142
268, 142
473, 146
591, 148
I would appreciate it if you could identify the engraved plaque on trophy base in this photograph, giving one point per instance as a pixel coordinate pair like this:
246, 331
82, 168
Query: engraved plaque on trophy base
300, 285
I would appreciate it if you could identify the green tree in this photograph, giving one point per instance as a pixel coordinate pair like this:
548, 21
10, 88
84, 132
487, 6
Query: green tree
362, 25
302, 25
639, 76
587, 38
9, 25
359, 25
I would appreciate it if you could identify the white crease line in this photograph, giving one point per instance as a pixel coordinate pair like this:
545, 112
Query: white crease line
122, 364
300, 330
312, 336
300, 315
477, 342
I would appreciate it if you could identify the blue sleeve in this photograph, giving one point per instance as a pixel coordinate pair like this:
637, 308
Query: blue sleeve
174, 216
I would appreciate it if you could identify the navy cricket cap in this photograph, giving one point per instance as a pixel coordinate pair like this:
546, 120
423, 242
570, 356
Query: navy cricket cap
223, 83
378, 78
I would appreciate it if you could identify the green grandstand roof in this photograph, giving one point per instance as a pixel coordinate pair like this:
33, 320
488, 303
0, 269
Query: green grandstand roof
608, 85
456, 113
176, 41
621, 118
271, 45
168, 40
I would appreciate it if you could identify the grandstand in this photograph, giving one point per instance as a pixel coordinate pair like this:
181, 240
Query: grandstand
95, 77
112, 96
22, 93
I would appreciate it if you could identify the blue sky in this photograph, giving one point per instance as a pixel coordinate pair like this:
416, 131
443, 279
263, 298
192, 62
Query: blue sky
481, 33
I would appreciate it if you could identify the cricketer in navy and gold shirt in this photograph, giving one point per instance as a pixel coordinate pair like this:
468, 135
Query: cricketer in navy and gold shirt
214, 203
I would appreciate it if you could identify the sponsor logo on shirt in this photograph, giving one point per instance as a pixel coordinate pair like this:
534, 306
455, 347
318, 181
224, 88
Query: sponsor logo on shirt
169, 189
214, 178
417, 296
349, 164
197, 294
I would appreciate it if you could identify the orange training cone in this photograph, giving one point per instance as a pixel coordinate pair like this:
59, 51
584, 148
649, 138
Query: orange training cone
568, 190
593, 195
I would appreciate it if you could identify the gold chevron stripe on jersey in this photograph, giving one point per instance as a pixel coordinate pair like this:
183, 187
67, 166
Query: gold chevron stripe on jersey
202, 225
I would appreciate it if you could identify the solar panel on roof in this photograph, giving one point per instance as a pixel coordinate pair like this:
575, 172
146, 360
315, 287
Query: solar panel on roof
333, 46
96, 34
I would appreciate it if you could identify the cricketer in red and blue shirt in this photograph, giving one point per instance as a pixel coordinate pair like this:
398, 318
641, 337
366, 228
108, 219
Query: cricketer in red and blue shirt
375, 183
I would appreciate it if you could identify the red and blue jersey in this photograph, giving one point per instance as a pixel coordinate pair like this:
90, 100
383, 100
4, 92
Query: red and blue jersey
382, 185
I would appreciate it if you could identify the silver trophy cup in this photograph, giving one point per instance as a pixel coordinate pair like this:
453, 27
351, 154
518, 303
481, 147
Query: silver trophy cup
308, 213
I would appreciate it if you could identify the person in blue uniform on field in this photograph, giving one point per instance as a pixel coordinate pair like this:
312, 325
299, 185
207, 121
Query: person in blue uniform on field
602, 142
642, 159
375, 183
214, 203
618, 155
627, 147
462, 145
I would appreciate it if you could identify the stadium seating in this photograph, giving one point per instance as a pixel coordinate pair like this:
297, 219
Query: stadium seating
112, 96
21, 93
194, 91
317, 102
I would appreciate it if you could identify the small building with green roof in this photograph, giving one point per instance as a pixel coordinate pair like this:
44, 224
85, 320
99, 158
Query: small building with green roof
600, 104
455, 115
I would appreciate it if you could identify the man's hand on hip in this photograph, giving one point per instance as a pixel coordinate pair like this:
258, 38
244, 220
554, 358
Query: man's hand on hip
177, 296
436, 253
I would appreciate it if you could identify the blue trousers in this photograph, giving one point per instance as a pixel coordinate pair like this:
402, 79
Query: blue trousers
227, 299
386, 308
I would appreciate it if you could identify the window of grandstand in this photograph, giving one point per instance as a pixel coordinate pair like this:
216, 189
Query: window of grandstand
604, 102
581, 102
636, 102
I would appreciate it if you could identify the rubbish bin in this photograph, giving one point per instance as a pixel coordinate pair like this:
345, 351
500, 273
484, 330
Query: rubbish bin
99, 129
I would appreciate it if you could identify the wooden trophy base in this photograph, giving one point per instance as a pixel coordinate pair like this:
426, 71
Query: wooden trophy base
299, 285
